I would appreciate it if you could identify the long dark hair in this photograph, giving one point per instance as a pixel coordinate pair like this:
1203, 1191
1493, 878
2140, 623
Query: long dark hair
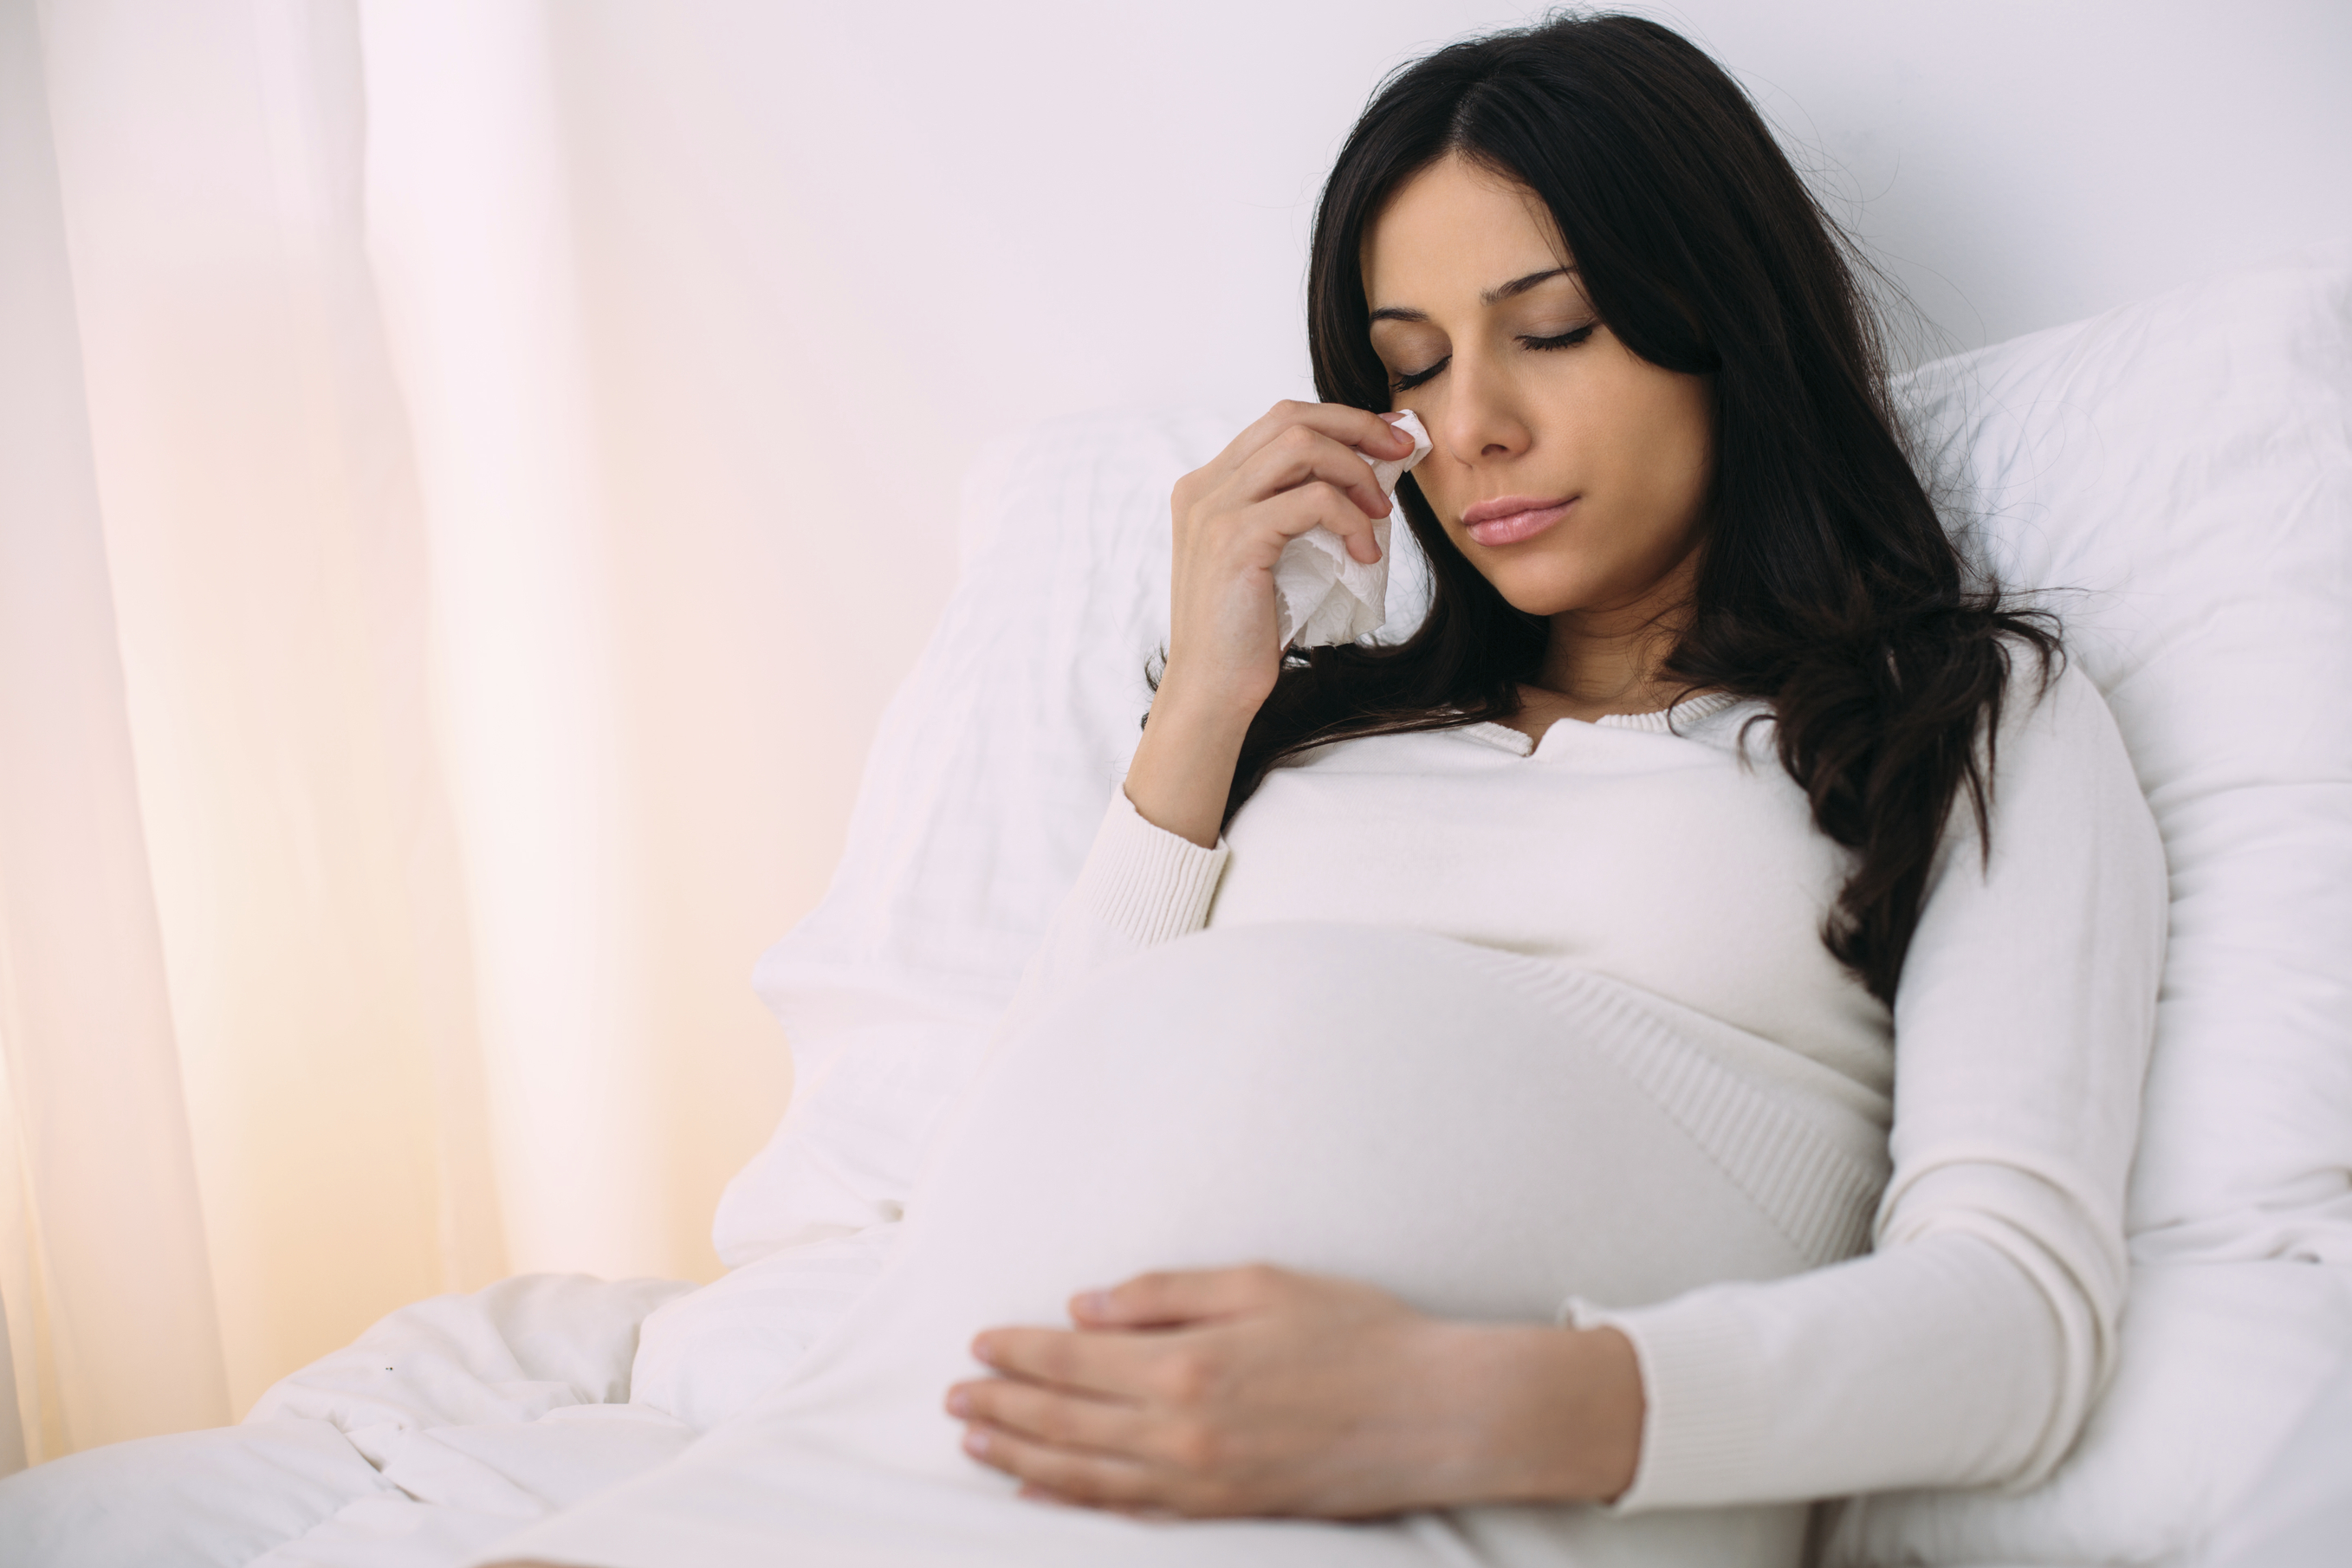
1825, 586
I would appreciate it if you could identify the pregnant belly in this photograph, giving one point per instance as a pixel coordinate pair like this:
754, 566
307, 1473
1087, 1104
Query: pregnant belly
1484, 1135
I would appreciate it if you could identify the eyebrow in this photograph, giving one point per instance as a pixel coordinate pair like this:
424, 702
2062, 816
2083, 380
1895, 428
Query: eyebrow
1515, 288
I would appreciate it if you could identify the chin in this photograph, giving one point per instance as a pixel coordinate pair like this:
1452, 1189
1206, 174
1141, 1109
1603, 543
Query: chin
1570, 578
1549, 593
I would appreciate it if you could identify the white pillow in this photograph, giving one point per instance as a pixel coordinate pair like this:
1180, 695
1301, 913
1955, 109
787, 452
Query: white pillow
2186, 463
2189, 462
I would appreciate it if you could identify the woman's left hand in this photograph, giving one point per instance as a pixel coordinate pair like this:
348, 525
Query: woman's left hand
1257, 1391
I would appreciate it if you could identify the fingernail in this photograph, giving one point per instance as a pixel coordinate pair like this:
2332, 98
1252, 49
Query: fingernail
981, 1351
959, 1403
1094, 1304
975, 1441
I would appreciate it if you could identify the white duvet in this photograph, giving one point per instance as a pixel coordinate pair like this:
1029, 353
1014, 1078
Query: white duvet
2188, 461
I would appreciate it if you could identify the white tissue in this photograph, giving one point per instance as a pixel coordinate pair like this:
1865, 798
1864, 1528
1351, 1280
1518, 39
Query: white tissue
1324, 595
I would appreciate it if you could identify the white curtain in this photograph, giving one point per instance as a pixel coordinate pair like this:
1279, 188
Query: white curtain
112, 1330
402, 763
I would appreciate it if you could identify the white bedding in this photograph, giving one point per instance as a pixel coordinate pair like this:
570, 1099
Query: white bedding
448, 1425
2188, 461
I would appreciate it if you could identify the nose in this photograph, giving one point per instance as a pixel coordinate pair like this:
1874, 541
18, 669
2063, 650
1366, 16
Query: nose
1483, 422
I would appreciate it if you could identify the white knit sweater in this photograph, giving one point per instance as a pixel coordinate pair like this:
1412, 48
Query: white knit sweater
1967, 1347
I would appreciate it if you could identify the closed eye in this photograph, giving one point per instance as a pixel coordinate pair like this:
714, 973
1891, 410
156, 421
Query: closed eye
1564, 341
1407, 382
1567, 340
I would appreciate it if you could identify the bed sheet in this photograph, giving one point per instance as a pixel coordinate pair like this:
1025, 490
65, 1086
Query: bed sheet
450, 1424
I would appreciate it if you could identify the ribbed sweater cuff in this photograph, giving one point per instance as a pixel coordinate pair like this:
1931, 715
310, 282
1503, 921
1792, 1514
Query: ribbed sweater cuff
1703, 1431
1144, 883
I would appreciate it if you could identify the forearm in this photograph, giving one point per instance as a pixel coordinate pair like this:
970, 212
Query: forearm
1937, 1364
1184, 767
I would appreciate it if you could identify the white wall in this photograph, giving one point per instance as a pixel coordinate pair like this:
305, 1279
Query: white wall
1021, 208
2018, 165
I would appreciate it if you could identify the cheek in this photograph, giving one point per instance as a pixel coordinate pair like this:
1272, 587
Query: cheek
1439, 493
1664, 448
1686, 430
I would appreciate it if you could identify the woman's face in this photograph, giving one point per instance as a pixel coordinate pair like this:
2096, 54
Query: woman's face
1569, 471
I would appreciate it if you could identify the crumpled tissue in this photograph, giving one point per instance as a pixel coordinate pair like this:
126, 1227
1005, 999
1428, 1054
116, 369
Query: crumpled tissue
1324, 595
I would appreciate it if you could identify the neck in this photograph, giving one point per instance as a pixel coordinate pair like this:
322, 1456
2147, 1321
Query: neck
1614, 659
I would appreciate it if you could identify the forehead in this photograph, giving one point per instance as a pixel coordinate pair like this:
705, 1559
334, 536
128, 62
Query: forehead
1453, 231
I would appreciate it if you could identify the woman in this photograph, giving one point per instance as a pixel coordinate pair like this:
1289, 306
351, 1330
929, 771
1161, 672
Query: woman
1575, 972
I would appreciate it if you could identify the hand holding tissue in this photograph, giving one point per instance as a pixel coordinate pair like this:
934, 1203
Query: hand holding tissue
1324, 595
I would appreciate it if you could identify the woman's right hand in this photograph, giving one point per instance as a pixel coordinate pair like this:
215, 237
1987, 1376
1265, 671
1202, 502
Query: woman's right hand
1296, 469
1300, 468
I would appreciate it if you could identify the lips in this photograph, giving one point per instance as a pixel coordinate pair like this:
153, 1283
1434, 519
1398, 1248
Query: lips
1507, 520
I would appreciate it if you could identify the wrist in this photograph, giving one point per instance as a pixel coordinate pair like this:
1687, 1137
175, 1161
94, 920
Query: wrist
1557, 1413
1204, 704
1183, 767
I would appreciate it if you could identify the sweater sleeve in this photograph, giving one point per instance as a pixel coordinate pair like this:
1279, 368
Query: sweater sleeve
1141, 886
1967, 1346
